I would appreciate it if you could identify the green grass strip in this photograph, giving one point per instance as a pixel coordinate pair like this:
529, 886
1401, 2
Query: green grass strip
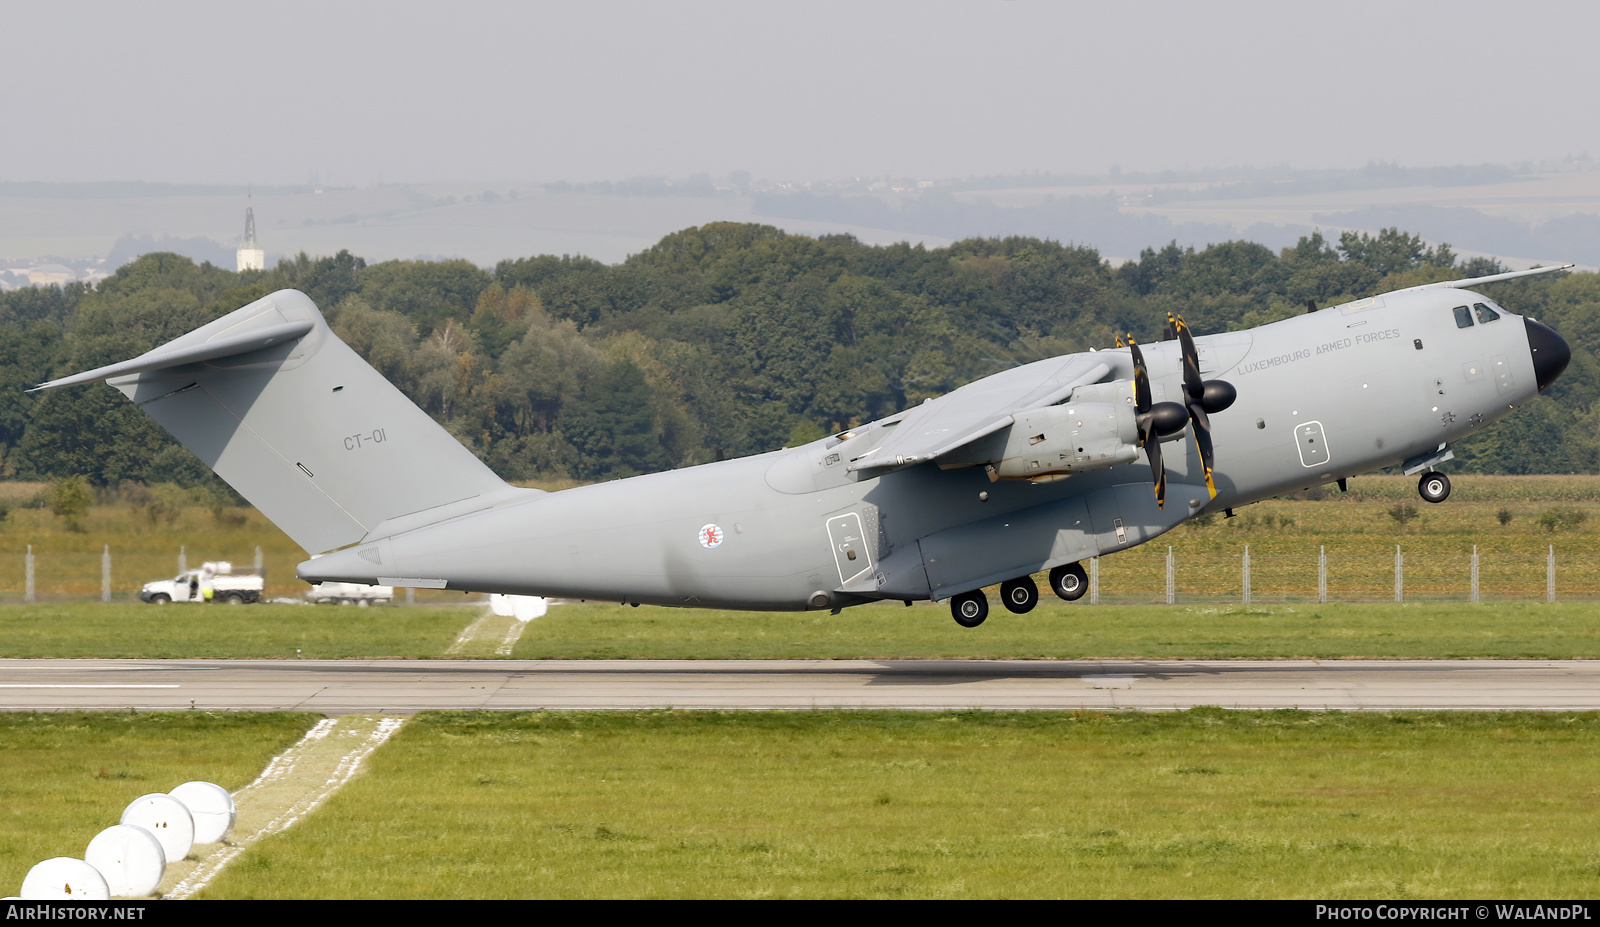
1055, 630
227, 632
1078, 631
64, 777
1199, 804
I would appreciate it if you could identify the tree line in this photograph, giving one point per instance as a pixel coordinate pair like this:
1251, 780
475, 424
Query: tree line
724, 340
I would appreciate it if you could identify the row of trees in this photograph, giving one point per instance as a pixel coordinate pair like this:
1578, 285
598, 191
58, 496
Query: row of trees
727, 339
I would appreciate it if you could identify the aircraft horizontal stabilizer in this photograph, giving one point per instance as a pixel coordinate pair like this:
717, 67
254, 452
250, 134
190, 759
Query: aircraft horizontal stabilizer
184, 351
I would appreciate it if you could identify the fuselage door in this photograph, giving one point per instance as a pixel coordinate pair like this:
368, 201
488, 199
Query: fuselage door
1313, 444
851, 551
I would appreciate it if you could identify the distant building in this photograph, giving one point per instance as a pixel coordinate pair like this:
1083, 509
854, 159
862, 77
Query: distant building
51, 275
250, 255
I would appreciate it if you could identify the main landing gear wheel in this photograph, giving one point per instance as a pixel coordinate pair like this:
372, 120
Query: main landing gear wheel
1019, 595
1069, 582
970, 608
1434, 487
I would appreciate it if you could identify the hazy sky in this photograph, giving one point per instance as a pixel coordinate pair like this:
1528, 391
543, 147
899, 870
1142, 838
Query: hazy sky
274, 92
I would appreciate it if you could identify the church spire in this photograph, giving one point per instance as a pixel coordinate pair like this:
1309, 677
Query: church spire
250, 256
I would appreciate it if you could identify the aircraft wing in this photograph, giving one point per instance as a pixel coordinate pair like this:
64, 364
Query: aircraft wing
979, 409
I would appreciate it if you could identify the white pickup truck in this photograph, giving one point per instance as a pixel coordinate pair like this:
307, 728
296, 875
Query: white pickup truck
228, 586
350, 594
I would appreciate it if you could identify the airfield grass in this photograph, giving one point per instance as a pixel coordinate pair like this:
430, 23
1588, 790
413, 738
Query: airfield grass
1560, 631
64, 777
1198, 804
81, 630
1500, 630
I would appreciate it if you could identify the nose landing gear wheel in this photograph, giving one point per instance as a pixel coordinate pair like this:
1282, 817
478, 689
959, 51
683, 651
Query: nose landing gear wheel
1434, 487
969, 608
1019, 595
1069, 582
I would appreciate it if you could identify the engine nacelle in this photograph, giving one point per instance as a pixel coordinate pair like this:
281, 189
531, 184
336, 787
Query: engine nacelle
1070, 438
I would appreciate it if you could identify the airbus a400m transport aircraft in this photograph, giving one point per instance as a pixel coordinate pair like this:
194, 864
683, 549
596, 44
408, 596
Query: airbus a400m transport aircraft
1035, 468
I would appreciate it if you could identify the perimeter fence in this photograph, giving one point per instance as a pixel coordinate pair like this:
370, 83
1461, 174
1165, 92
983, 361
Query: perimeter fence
1301, 569
113, 575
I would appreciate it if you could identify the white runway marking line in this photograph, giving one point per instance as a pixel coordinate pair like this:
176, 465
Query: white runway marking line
471, 633
266, 795
510, 640
483, 634
64, 685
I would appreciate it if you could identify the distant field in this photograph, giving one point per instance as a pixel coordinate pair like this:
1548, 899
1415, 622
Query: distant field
1199, 804
64, 777
379, 223
1360, 535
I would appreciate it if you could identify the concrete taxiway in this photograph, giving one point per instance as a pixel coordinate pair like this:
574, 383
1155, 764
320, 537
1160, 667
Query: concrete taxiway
406, 686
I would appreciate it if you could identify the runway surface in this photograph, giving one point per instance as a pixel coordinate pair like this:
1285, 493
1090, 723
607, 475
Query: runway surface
405, 686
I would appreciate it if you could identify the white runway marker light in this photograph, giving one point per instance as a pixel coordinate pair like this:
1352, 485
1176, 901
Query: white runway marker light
64, 879
211, 807
167, 818
129, 858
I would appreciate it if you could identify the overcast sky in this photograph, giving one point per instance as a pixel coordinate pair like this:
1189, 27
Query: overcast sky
276, 92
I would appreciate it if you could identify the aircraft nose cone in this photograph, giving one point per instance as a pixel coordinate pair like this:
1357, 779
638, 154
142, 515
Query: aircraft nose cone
1550, 353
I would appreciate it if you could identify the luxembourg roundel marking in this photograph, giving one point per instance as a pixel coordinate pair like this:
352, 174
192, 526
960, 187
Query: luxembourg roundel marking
710, 536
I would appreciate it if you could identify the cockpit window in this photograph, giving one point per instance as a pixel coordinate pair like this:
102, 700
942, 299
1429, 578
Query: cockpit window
1485, 314
1463, 317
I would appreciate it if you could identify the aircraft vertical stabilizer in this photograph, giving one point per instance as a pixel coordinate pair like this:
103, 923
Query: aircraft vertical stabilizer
273, 401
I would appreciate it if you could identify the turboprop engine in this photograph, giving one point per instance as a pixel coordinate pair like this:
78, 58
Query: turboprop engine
1105, 424
1099, 426
1069, 438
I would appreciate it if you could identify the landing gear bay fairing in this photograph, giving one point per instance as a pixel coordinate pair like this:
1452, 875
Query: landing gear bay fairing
1036, 468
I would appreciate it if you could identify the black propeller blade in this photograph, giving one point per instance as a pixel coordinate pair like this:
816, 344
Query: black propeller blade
1202, 396
1146, 422
1154, 420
